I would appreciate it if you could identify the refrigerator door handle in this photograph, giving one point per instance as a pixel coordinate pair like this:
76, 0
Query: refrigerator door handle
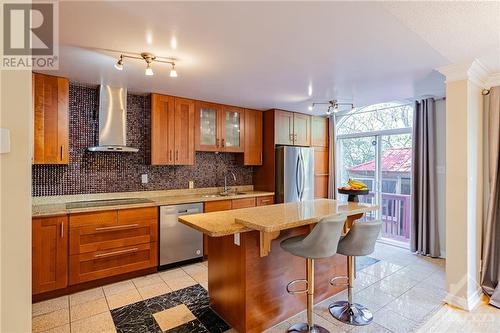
303, 176
297, 186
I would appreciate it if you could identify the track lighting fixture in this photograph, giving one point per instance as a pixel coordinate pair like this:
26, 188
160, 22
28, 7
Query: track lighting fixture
119, 63
333, 106
149, 59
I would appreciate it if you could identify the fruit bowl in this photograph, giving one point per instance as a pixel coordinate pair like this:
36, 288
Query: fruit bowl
353, 194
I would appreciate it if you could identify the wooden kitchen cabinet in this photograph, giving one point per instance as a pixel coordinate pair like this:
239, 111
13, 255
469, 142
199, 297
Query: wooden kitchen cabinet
283, 127
292, 128
321, 172
253, 138
219, 128
51, 119
49, 253
301, 129
319, 132
172, 130
109, 243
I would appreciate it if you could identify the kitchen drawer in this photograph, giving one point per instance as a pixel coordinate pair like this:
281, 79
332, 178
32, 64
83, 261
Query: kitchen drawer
137, 214
215, 206
264, 201
100, 237
101, 264
243, 203
96, 218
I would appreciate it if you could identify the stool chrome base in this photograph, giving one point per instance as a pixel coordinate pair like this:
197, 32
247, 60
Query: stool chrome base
352, 314
303, 328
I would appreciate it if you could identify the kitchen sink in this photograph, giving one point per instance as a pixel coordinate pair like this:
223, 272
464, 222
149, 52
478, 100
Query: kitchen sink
106, 202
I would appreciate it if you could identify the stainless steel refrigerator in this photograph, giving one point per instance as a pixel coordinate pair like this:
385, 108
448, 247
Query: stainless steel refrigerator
294, 174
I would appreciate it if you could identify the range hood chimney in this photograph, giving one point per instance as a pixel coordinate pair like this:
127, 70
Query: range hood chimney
112, 120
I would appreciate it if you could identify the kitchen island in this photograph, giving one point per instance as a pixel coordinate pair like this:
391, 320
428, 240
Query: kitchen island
248, 271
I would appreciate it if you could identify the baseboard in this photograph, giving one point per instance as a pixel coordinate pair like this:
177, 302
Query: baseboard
468, 303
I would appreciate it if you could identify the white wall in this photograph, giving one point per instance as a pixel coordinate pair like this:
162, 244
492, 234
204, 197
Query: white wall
15, 203
441, 172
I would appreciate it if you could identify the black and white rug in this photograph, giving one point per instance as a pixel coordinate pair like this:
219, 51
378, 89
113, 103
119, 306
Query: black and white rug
181, 311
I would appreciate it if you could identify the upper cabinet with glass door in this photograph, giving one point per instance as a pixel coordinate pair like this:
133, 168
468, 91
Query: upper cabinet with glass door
219, 128
207, 126
232, 126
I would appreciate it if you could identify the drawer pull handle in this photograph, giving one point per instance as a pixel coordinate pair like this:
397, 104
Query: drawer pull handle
115, 253
117, 227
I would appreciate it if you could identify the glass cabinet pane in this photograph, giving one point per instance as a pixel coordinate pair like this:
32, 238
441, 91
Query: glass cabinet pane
208, 126
232, 130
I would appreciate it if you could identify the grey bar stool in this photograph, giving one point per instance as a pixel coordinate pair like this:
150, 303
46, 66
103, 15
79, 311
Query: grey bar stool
359, 241
321, 242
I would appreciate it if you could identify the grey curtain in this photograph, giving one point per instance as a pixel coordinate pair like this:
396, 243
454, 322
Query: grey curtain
491, 241
332, 186
424, 229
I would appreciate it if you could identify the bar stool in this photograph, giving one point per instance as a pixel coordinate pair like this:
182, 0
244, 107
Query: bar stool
359, 241
321, 242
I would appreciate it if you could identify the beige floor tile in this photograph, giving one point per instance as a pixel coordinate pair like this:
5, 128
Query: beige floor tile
173, 317
125, 298
177, 280
205, 263
393, 321
382, 269
172, 274
280, 328
60, 329
374, 293
50, 320
371, 328
154, 290
88, 309
200, 276
194, 268
147, 280
118, 288
102, 323
204, 285
409, 309
395, 285
86, 296
364, 280
50, 305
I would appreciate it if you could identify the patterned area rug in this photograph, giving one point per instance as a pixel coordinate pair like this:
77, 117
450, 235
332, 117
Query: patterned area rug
181, 311
363, 262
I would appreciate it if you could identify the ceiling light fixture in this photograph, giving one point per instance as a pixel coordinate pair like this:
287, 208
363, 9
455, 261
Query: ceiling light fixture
310, 107
119, 63
173, 72
149, 58
333, 106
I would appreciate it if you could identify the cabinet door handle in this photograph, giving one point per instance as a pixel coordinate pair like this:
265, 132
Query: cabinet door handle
222, 143
62, 152
176, 155
62, 229
170, 153
217, 142
295, 137
114, 253
117, 227
290, 137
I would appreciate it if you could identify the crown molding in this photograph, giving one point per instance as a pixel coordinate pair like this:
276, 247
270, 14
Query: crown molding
493, 80
473, 71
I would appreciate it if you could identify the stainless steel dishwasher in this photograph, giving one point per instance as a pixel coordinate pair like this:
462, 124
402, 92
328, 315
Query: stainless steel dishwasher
178, 242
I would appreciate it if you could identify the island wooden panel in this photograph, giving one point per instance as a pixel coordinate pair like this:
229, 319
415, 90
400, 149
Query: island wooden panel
249, 292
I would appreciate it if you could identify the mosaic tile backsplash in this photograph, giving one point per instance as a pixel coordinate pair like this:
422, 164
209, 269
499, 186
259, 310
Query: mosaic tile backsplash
100, 172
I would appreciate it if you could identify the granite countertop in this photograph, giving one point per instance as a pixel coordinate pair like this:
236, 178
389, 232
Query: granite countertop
271, 218
56, 205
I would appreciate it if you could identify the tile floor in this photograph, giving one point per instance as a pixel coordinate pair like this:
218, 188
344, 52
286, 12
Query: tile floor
403, 290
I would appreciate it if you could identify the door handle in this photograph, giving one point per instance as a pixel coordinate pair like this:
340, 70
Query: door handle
297, 187
62, 229
62, 152
170, 155
114, 253
222, 143
303, 175
217, 142
117, 227
176, 155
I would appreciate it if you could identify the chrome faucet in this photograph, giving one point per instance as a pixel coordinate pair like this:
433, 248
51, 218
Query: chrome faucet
225, 191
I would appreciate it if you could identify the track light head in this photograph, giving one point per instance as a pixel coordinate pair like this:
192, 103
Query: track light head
173, 72
119, 63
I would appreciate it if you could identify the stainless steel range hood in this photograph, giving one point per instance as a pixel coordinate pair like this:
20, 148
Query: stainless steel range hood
112, 120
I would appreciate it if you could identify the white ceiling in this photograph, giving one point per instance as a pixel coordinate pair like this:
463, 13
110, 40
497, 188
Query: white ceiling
267, 54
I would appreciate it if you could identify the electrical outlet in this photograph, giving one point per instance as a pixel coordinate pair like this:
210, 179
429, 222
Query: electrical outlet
144, 178
191, 184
